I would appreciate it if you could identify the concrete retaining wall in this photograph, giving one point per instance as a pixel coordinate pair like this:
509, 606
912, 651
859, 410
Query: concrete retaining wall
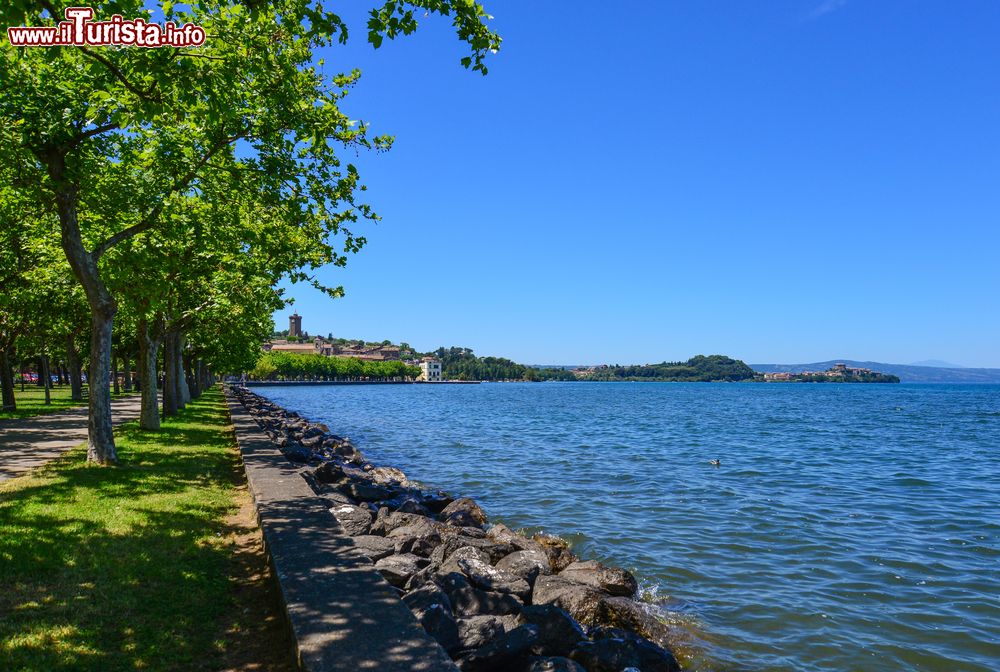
342, 613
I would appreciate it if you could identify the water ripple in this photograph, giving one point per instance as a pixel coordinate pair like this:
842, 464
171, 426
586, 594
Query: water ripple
848, 527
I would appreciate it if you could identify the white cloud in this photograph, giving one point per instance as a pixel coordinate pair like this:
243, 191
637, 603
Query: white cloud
826, 7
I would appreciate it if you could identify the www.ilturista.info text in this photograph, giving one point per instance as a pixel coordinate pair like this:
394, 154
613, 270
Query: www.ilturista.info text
79, 29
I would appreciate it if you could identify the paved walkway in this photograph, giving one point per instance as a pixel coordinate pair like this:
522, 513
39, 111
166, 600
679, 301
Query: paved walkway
27, 443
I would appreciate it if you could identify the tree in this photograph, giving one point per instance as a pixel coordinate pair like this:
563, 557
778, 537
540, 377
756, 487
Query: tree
162, 122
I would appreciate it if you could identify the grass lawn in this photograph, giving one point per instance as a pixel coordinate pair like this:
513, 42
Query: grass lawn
152, 565
32, 401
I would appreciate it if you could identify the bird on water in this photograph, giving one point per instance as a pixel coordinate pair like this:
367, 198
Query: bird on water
715, 463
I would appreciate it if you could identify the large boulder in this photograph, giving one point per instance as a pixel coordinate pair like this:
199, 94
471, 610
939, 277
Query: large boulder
298, 453
463, 512
386, 521
507, 652
453, 538
312, 442
468, 600
583, 602
559, 633
388, 476
525, 564
553, 664
432, 608
611, 580
501, 534
436, 501
483, 575
477, 631
613, 650
374, 547
452, 563
370, 492
354, 519
329, 472
398, 568
419, 539
557, 549
627, 614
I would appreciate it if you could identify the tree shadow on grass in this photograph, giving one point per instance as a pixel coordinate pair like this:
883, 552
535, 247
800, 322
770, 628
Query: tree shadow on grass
127, 567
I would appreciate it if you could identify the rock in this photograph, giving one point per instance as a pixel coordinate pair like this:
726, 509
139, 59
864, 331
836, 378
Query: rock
501, 534
386, 521
398, 568
334, 497
420, 539
346, 450
463, 512
504, 653
354, 519
614, 650
297, 453
525, 564
407, 504
374, 547
311, 442
369, 492
432, 608
554, 664
463, 553
611, 580
469, 601
469, 531
477, 631
388, 476
581, 601
559, 633
314, 431
436, 501
627, 614
483, 575
557, 549
454, 538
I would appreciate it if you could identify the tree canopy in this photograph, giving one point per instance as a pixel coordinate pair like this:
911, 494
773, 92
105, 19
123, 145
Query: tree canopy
180, 185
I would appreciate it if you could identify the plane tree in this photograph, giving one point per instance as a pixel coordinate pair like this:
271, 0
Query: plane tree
88, 121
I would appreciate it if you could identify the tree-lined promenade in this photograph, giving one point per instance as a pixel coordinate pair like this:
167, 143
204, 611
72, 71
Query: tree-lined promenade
152, 199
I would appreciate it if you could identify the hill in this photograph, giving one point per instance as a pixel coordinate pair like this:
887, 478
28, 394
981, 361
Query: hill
907, 373
695, 370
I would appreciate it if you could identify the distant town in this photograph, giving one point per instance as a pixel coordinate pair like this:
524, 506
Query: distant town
838, 373
461, 364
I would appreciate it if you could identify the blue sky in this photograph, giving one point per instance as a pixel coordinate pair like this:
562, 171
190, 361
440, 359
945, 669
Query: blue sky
781, 182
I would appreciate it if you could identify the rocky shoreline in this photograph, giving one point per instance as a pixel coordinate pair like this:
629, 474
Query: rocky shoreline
494, 599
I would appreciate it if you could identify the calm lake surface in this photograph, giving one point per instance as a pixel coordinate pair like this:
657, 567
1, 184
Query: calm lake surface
850, 527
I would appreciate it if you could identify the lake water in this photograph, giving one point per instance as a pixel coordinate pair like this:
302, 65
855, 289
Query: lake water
849, 527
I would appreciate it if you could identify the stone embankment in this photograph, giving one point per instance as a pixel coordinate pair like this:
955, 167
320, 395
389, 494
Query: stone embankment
493, 599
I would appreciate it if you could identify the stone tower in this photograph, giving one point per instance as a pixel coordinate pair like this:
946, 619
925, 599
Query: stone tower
295, 325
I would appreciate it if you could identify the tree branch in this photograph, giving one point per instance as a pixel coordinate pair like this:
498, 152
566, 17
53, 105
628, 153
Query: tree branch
150, 220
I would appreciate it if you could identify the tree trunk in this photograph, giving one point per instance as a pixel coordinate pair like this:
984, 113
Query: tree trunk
114, 374
149, 414
47, 380
7, 382
101, 440
170, 387
183, 391
127, 372
73, 363
194, 385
